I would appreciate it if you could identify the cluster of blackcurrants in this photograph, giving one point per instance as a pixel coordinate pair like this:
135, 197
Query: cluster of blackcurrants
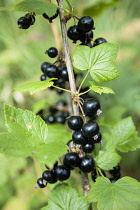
55, 71
83, 32
26, 21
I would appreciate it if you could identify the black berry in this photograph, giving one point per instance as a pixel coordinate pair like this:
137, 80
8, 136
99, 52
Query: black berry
41, 183
51, 119
99, 41
79, 138
97, 138
44, 66
90, 129
43, 77
60, 119
61, 103
52, 52
73, 33
88, 147
59, 91
85, 24
91, 107
62, 172
51, 71
115, 170
48, 175
86, 37
71, 159
64, 74
86, 164
75, 123
23, 23
87, 44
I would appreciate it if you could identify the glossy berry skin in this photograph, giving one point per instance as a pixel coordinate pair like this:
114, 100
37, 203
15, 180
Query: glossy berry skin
44, 66
117, 175
86, 37
48, 175
73, 33
53, 181
62, 172
23, 23
90, 107
86, 164
52, 52
85, 24
115, 170
64, 74
43, 77
112, 180
61, 103
59, 91
87, 44
88, 147
90, 129
79, 138
99, 41
71, 159
97, 138
75, 123
30, 18
51, 119
40, 183
60, 119
65, 114
51, 71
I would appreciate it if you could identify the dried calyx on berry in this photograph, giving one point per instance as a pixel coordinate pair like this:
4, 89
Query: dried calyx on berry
26, 21
50, 19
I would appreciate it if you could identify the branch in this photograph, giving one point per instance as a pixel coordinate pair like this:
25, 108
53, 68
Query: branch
84, 176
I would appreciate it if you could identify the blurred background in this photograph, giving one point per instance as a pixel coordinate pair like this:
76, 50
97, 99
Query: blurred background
21, 55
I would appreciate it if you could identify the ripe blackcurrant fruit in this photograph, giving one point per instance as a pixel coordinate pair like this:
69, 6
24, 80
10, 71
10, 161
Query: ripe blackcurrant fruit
44, 66
71, 159
99, 41
51, 71
87, 44
62, 172
88, 147
40, 183
86, 37
91, 107
51, 119
61, 103
30, 18
112, 180
73, 33
65, 114
60, 119
48, 175
75, 123
94, 177
59, 91
64, 74
97, 138
23, 23
86, 164
52, 52
53, 110
43, 77
53, 181
79, 138
117, 175
115, 170
90, 129
85, 24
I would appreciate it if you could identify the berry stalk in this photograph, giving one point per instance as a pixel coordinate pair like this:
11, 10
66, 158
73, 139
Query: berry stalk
84, 176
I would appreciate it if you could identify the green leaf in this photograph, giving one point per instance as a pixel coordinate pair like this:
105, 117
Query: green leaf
124, 135
37, 6
5, 9
64, 197
98, 60
106, 160
33, 87
29, 136
123, 194
100, 89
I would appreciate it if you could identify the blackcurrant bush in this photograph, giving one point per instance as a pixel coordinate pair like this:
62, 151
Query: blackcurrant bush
88, 147
79, 138
51, 119
90, 129
64, 74
52, 52
91, 107
86, 164
44, 66
51, 71
75, 123
62, 172
48, 175
73, 33
71, 159
85, 24
97, 138
60, 119
43, 77
41, 183
99, 41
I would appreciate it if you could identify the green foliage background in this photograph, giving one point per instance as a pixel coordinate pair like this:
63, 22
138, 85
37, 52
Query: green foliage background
21, 54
